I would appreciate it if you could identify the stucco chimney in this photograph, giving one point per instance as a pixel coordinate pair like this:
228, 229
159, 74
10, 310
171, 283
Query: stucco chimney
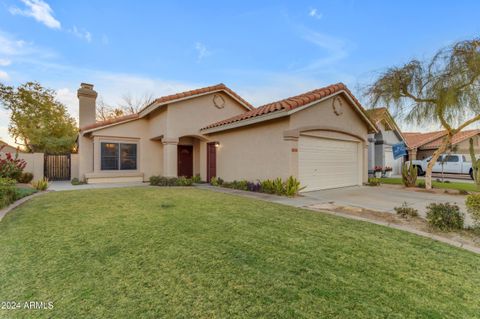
87, 110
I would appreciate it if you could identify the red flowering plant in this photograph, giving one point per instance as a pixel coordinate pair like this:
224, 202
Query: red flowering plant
378, 169
388, 169
10, 165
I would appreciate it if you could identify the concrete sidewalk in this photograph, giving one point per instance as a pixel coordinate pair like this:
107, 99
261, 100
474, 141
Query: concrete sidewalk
381, 198
385, 198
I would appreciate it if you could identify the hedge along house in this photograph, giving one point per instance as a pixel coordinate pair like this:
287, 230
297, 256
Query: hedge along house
380, 152
319, 137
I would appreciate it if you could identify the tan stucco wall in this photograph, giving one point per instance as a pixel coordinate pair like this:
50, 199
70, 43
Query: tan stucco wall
74, 166
253, 152
34, 164
34, 161
177, 123
262, 151
322, 116
189, 116
85, 156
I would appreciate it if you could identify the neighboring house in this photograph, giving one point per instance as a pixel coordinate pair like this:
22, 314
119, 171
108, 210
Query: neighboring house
6, 148
380, 151
423, 145
320, 137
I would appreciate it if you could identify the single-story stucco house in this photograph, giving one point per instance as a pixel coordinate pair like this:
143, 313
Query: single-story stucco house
380, 151
423, 145
320, 137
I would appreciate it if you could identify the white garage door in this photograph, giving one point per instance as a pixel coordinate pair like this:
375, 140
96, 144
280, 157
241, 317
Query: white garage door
327, 163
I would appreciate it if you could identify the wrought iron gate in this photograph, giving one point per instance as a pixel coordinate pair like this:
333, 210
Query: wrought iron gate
57, 167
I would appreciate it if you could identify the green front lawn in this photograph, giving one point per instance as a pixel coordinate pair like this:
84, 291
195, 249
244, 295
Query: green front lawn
469, 187
189, 253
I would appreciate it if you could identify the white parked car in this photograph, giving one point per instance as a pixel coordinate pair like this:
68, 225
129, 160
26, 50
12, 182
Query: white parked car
446, 163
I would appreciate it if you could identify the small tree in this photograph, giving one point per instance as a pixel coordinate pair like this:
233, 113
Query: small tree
409, 175
37, 120
443, 90
128, 105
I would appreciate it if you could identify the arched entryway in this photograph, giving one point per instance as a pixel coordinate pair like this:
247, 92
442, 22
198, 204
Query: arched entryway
188, 156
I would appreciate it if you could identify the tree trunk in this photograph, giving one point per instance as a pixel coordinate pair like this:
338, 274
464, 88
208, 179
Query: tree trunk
435, 156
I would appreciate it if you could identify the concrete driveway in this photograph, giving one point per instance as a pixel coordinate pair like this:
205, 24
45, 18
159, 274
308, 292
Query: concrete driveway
382, 199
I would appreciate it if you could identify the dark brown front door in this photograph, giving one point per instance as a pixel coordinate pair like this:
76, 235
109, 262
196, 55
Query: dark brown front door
185, 160
211, 161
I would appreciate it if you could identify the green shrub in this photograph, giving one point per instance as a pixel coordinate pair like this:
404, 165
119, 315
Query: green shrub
373, 181
421, 184
279, 186
196, 179
170, 181
292, 187
241, 185
158, 181
183, 181
75, 181
409, 175
11, 166
41, 184
7, 191
406, 211
445, 216
227, 185
154, 180
25, 178
216, 181
267, 186
473, 207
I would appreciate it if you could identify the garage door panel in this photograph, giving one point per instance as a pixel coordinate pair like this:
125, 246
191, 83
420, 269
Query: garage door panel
326, 163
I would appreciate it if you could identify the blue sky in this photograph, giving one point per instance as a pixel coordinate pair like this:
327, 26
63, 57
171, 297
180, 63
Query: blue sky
263, 50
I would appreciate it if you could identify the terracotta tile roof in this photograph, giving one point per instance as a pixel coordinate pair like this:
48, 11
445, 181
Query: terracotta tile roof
457, 138
417, 139
289, 104
110, 121
432, 140
170, 98
213, 88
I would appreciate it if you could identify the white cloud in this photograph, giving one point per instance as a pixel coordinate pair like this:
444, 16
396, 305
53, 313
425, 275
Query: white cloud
4, 75
5, 62
315, 14
10, 46
40, 11
18, 51
82, 34
68, 98
335, 48
202, 51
